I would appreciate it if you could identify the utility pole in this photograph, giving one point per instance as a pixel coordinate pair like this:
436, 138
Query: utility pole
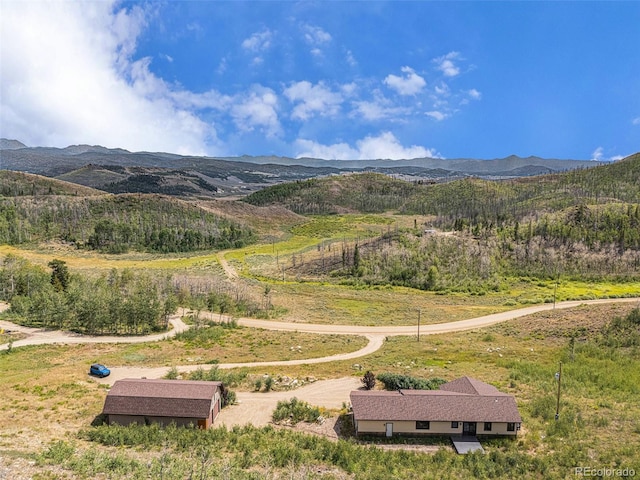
419, 311
559, 378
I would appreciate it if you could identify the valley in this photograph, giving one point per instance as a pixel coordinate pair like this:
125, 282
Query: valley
322, 280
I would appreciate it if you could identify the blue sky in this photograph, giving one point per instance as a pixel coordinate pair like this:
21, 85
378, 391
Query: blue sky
351, 80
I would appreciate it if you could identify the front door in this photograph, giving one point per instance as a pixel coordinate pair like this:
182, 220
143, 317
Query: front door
469, 428
389, 430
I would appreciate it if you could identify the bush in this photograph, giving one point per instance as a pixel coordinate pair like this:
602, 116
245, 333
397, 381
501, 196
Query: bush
268, 384
295, 411
395, 381
623, 332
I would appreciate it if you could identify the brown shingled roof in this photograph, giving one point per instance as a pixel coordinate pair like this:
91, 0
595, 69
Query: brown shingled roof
471, 386
470, 401
161, 398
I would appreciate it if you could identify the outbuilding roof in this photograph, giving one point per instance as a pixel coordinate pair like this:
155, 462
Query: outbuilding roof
161, 398
464, 400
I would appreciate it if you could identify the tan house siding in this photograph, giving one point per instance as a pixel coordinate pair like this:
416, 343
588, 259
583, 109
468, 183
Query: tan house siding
467, 401
164, 421
378, 427
497, 428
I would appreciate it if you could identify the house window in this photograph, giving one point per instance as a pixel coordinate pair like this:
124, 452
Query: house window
511, 427
487, 426
422, 425
454, 425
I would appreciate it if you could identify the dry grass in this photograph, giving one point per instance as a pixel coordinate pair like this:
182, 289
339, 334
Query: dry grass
341, 305
232, 346
46, 392
267, 221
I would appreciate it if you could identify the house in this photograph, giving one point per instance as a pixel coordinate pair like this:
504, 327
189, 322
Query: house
183, 402
465, 406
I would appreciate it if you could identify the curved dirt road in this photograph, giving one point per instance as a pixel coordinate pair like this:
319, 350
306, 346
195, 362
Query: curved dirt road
39, 336
374, 334
254, 407
430, 329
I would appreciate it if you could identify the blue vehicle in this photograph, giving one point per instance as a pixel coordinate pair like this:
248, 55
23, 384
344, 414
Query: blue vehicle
99, 370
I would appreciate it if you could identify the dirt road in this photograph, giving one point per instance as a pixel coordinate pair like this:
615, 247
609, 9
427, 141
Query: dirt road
228, 269
255, 407
375, 334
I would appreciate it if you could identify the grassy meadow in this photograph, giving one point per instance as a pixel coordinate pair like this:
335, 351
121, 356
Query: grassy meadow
48, 402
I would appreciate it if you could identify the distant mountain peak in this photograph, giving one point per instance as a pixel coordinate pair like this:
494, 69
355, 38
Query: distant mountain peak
10, 144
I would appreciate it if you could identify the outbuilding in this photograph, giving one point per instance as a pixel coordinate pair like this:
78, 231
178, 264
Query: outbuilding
465, 406
146, 401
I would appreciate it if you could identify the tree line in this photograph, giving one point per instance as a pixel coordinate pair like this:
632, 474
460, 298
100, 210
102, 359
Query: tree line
116, 224
120, 302
114, 303
471, 200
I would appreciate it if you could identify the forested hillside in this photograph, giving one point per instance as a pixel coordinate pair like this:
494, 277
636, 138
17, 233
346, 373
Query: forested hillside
113, 223
117, 302
366, 192
17, 184
582, 224
471, 199
495, 201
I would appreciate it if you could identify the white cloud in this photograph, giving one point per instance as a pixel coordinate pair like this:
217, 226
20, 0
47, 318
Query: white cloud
442, 89
437, 115
379, 108
597, 154
409, 84
309, 148
474, 94
371, 110
446, 64
258, 109
315, 35
384, 146
258, 42
68, 77
351, 60
311, 100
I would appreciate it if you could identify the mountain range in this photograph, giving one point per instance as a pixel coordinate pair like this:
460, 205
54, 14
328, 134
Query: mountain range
117, 170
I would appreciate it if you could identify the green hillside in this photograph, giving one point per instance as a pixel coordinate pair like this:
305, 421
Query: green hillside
484, 200
17, 184
366, 192
113, 223
471, 199
582, 224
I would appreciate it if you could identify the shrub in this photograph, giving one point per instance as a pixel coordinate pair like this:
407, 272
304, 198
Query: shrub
295, 411
58, 452
395, 381
268, 384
